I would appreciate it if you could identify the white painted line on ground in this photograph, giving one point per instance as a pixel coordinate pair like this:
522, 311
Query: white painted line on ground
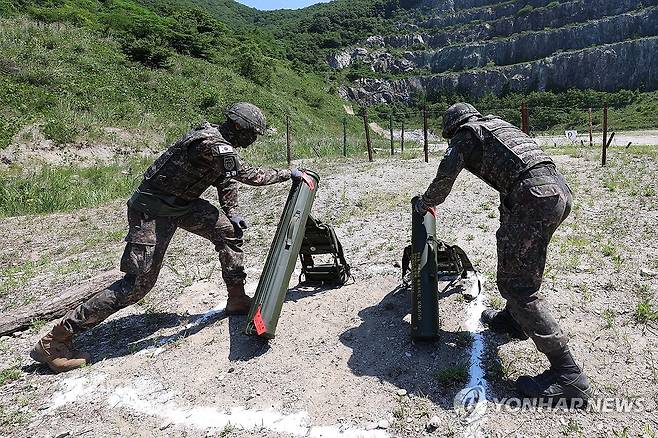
148, 397
473, 397
158, 348
75, 388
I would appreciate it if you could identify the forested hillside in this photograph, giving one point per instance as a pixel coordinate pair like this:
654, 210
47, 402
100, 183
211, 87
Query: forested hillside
79, 71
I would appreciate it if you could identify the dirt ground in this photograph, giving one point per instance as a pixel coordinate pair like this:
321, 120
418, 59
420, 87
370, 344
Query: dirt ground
343, 363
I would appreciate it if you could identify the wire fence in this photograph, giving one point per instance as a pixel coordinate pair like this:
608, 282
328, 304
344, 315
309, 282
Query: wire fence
391, 132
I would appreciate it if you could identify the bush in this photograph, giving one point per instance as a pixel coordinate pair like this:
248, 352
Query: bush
252, 64
150, 51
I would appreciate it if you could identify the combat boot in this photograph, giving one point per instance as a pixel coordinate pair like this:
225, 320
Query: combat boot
56, 350
238, 302
502, 322
564, 382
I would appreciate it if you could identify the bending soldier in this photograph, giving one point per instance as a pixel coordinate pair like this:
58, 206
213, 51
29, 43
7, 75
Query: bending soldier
168, 198
534, 200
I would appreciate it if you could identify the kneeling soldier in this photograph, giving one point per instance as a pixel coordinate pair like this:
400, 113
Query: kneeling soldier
534, 200
168, 198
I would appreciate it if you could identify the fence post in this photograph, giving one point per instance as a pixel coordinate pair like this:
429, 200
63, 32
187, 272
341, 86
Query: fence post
525, 120
390, 128
426, 143
522, 117
402, 138
345, 136
367, 128
605, 134
288, 149
591, 141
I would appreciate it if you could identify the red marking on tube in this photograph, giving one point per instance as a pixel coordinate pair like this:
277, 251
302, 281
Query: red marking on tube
259, 323
308, 180
432, 211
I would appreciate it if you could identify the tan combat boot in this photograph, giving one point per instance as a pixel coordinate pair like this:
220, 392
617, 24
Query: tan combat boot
238, 302
56, 350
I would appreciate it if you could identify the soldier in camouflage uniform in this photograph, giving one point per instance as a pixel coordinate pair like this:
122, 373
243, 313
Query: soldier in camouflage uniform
534, 200
169, 197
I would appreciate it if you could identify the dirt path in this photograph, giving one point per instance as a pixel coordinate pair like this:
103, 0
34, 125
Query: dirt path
343, 364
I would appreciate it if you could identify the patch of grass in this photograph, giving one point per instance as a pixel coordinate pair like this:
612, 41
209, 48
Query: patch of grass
15, 277
464, 339
499, 368
228, 429
644, 312
486, 205
649, 191
38, 324
60, 189
9, 375
622, 433
608, 250
572, 427
497, 302
12, 417
609, 318
453, 375
586, 293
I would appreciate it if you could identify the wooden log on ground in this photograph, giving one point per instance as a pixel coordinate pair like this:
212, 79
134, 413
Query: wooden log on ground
47, 311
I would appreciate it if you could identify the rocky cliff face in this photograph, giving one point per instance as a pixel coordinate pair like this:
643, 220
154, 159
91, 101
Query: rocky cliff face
474, 46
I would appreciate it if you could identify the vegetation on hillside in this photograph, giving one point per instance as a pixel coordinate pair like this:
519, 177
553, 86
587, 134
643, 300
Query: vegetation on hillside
74, 84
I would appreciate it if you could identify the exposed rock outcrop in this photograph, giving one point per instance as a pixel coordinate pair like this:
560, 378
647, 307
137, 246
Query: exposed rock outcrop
632, 63
500, 45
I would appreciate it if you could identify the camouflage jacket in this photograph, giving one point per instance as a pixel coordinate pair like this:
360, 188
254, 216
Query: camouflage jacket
492, 149
200, 159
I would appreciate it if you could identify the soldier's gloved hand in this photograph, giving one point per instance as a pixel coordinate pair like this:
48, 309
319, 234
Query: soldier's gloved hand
296, 174
238, 221
420, 206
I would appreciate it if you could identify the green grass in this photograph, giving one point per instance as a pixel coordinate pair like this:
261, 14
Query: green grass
56, 189
453, 375
74, 83
644, 312
9, 375
609, 318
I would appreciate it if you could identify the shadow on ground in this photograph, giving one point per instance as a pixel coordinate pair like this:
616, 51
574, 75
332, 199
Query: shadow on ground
382, 347
133, 333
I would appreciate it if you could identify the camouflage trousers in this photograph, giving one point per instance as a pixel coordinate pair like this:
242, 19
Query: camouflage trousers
147, 242
530, 214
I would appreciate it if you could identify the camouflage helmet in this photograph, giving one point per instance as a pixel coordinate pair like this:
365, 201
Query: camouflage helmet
247, 116
455, 116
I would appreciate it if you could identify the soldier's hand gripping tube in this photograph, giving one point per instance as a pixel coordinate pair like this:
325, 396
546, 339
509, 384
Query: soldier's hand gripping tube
273, 285
424, 275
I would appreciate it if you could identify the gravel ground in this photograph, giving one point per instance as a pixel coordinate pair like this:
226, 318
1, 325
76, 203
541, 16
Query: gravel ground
343, 363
